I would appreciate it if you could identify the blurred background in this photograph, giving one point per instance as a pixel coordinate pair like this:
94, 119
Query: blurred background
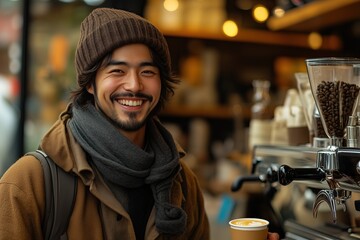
220, 49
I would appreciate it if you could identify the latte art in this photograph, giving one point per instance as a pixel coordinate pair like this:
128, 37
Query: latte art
249, 223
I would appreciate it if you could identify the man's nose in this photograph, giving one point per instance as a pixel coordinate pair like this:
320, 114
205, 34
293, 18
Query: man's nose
133, 82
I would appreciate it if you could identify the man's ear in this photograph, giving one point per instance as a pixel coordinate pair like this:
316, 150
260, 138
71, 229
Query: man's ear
90, 89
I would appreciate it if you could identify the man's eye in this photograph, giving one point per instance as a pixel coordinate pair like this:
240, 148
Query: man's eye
148, 72
116, 71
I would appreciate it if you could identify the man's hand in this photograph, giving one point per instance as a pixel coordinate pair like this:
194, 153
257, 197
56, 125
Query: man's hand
273, 236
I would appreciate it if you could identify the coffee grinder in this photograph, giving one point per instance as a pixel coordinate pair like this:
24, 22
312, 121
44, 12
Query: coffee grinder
335, 87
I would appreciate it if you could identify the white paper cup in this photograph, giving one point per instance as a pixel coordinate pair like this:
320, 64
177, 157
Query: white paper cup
248, 229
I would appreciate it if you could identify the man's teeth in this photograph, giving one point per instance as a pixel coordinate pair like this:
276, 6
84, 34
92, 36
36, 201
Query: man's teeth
131, 103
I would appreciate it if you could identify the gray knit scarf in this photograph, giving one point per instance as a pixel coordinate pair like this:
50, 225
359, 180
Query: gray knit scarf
124, 164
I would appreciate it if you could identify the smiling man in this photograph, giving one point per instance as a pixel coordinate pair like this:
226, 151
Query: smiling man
132, 181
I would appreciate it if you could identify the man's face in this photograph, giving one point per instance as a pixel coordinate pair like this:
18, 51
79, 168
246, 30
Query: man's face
128, 88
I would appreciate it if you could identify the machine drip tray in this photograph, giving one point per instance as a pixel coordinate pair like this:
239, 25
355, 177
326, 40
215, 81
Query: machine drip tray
296, 231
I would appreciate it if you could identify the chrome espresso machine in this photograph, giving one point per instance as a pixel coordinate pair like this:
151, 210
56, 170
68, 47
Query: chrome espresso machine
330, 171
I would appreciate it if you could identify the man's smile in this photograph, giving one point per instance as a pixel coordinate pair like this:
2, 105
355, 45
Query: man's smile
129, 102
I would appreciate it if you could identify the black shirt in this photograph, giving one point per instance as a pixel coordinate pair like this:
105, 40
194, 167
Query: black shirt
141, 202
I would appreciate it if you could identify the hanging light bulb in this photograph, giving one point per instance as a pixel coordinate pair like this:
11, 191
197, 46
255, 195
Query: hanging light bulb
315, 40
171, 5
230, 28
278, 12
260, 13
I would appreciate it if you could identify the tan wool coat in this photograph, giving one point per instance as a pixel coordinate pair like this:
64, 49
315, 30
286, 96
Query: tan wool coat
96, 214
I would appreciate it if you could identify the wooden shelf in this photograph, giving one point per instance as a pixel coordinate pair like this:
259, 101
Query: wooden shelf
218, 112
330, 42
317, 15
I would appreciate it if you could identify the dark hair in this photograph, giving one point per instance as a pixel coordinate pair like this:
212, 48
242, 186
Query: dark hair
81, 96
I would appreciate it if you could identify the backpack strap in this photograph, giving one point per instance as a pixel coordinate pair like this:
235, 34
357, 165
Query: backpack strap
183, 184
60, 192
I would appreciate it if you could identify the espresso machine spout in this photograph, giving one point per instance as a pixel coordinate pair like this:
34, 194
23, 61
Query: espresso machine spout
332, 197
328, 197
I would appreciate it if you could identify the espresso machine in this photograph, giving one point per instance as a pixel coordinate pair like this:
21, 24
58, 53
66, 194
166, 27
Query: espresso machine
332, 172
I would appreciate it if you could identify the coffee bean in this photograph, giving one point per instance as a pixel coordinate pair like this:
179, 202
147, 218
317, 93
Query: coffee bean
318, 128
336, 101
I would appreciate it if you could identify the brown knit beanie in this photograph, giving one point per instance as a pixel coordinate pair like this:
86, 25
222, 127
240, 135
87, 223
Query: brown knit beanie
106, 29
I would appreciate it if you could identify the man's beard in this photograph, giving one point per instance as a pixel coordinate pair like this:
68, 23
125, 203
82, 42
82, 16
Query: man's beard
130, 125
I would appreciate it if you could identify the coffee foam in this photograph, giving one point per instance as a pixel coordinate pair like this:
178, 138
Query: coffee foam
249, 223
